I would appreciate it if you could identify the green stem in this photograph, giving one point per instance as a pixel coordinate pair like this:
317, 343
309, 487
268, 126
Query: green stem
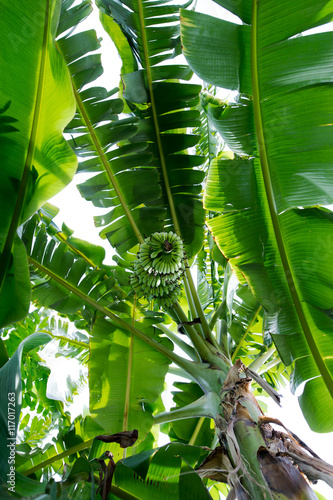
192, 308
290, 279
222, 337
119, 321
217, 314
191, 353
269, 365
24, 184
258, 363
206, 330
59, 456
206, 351
129, 377
242, 340
212, 280
69, 341
179, 372
197, 341
196, 431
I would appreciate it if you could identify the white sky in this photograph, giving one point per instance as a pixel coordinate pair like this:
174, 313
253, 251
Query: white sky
78, 216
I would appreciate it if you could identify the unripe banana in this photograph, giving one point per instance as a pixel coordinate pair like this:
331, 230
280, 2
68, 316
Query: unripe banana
158, 268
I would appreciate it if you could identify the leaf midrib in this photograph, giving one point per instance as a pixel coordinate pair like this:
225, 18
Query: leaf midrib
105, 163
129, 376
155, 119
104, 310
204, 325
24, 184
323, 370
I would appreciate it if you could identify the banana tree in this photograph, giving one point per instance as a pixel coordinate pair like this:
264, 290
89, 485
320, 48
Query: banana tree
256, 286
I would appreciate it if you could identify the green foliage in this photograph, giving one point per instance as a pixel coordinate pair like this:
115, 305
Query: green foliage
164, 109
126, 377
257, 236
166, 474
10, 400
183, 430
269, 204
36, 92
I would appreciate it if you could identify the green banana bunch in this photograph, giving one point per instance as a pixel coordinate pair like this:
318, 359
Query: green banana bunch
158, 268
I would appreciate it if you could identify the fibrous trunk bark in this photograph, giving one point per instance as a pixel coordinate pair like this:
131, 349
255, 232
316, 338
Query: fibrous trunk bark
257, 461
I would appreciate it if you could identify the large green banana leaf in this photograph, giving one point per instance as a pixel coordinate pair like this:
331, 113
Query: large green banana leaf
126, 378
274, 226
126, 374
147, 179
163, 475
96, 121
36, 162
75, 288
166, 189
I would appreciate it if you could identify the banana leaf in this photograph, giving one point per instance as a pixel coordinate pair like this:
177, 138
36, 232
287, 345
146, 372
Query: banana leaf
126, 374
10, 404
95, 130
36, 103
274, 226
63, 278
196, 431
168, 473
140, 181
126, 378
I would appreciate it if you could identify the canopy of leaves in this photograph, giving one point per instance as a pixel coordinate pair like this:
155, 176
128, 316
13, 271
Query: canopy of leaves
274, 224
258, 232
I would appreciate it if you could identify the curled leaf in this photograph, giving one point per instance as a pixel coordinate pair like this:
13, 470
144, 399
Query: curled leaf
124, 439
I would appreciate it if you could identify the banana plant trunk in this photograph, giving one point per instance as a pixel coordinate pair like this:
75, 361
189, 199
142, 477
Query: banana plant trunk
256, 460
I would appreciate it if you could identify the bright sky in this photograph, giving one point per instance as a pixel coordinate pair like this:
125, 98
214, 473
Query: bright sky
78, 216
